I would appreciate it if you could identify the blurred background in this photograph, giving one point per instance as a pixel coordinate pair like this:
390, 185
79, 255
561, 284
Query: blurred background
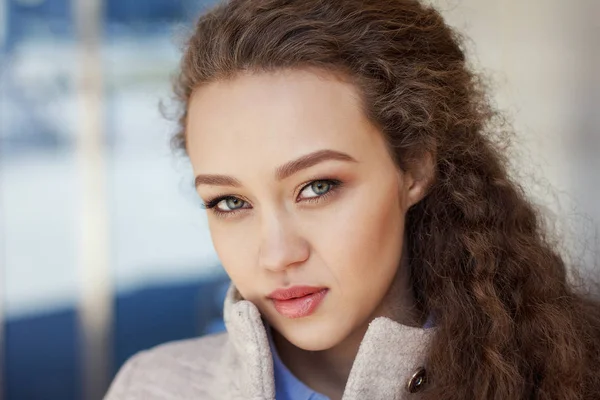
104, 249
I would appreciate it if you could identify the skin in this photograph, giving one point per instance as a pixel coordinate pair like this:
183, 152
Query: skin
287, 232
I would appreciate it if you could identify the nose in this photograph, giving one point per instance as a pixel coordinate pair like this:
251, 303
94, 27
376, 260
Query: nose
281, 245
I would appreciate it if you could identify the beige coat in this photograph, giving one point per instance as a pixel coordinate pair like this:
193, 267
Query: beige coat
238, 364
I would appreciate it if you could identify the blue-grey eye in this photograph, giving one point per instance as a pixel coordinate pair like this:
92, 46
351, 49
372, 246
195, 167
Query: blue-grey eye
233, 203
319, 188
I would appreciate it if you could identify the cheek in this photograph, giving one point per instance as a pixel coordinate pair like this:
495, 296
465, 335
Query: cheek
232, 248
366, 241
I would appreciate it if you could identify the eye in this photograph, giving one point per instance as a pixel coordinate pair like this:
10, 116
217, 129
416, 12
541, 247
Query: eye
318, 188
225, 204
232, 203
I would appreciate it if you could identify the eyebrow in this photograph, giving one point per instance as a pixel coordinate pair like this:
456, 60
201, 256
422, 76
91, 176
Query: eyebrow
286, 170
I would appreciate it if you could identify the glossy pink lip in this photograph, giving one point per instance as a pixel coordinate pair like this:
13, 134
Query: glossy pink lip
298, 301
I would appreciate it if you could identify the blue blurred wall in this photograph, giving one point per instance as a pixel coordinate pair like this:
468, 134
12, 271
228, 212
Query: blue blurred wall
43, 353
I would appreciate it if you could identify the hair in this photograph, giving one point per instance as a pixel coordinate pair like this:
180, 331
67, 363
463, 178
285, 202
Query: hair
509, 323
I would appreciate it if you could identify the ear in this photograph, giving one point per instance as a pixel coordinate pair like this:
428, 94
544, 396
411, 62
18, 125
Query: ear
419, 178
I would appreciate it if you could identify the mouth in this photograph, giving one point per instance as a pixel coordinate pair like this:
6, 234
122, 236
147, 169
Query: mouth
298, 301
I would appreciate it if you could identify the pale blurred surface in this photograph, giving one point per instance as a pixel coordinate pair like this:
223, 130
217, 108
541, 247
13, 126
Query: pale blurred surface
542, 55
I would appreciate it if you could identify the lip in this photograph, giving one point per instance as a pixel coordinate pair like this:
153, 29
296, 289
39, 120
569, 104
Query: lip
298, 301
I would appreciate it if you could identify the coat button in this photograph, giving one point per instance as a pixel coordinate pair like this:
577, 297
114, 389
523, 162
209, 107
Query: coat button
417, 381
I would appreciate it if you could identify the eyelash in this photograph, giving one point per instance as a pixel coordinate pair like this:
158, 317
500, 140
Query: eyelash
212, 204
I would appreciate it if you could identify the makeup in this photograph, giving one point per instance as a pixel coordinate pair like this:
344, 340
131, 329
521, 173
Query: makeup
298, 301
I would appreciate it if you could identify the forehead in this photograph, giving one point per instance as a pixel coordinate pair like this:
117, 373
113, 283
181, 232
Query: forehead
270, 118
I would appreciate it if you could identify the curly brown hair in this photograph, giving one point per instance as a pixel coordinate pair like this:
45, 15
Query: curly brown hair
509, 323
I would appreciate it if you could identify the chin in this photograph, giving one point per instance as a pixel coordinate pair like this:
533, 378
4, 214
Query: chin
313, 336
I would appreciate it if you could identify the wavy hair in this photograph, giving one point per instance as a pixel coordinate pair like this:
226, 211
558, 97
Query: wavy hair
509, 323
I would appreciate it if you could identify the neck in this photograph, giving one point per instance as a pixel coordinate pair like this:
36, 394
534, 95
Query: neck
327, 371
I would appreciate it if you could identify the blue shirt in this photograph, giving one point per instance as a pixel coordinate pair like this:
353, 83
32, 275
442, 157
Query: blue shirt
287, 386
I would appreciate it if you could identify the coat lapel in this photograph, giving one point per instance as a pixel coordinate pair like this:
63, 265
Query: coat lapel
389, 355
248, 336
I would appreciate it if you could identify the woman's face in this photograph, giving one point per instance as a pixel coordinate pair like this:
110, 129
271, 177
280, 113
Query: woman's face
309, 196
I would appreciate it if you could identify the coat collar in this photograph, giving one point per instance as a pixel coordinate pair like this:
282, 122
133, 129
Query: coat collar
389, 354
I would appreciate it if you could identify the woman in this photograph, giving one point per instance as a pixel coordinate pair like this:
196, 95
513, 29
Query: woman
358, 197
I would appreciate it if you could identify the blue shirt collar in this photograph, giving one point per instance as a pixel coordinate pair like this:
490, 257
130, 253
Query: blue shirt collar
287, 386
